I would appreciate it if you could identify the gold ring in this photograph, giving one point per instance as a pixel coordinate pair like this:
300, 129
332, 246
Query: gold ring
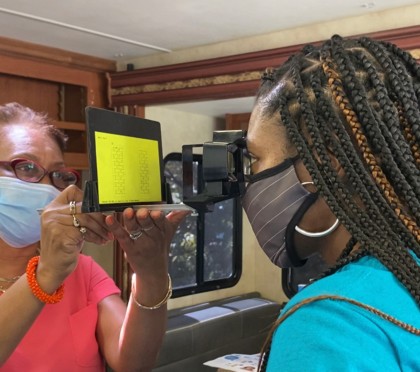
76, 222
72, 206
83, 231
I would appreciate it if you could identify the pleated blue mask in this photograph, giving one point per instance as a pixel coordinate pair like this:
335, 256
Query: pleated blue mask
20, 224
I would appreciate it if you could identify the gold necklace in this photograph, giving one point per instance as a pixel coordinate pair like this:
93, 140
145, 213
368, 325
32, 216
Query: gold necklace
7, 280
10, 280
3, 289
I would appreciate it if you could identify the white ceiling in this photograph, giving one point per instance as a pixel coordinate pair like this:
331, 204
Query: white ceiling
124, 29
93, 27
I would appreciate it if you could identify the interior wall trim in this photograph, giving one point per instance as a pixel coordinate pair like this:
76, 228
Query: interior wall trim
169, 84
40, 53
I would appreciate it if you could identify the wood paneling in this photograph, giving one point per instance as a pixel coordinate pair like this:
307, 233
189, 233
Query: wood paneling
237, 121
57, 82
40, 95
53, 56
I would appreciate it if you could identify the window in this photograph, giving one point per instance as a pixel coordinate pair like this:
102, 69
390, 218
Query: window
206, 251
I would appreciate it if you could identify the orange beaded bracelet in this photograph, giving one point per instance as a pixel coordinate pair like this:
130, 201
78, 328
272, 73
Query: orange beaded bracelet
36, 289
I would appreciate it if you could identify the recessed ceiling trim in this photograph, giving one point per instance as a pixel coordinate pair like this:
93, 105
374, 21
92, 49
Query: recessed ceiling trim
82, 29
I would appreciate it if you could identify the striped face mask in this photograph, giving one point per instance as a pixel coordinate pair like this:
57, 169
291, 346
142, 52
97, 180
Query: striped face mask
274, 201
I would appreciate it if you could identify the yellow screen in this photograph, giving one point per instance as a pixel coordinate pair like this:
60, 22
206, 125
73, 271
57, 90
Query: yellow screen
128, 169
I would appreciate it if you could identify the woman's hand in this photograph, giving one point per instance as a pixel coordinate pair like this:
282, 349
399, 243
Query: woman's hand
62, 240
145, 238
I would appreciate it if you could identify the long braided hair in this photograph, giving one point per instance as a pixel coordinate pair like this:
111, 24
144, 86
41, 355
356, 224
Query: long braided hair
358, 99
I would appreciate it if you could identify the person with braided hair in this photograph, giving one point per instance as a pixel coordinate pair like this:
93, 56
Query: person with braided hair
334, 142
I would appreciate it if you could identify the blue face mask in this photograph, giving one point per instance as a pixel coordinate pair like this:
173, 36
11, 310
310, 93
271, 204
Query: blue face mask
19, 220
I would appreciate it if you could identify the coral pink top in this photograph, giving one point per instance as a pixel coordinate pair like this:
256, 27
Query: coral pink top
63, 338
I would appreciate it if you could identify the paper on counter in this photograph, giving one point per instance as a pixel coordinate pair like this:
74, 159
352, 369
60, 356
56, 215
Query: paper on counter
236, 362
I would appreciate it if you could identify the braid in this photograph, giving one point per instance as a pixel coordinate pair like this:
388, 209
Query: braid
392, 130
410, 64
341, 202
361, 132
399, 89
359, 100
351, 98
311, 126
408, 134
359, 180
385, 255
262, 363
376, 170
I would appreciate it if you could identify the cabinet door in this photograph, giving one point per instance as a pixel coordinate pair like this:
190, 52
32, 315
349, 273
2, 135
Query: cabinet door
237, 121
40, 95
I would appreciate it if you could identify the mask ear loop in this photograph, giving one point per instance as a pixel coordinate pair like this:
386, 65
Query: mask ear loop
319, 234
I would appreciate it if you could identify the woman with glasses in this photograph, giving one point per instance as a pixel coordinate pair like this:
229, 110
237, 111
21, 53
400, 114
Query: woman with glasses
59, 310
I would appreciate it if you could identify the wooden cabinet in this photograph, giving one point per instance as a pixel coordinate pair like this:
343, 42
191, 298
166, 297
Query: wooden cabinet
237, 121
57, 82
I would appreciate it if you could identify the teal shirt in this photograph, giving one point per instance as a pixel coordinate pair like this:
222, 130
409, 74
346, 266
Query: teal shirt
330, 335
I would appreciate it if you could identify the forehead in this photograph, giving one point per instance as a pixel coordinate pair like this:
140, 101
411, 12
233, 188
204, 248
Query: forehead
27, 139
266, 133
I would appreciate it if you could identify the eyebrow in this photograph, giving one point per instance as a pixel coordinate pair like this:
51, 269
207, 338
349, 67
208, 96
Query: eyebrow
28, 156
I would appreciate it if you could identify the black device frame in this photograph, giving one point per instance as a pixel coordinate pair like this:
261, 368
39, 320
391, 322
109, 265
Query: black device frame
107, 121
209, 285
222, 170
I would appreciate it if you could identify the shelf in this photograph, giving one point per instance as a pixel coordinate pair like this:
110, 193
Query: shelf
70, 125
75, 156
58, 83
76, 160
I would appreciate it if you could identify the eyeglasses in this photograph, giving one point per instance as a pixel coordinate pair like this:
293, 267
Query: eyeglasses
30, 171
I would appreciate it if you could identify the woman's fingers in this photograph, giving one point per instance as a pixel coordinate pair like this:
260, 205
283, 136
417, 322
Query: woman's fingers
137, 222
116, 228
145, 221
92, 227
176, 217
133, 226
63, 221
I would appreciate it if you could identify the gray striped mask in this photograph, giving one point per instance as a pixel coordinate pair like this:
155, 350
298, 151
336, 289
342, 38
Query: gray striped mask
274, 202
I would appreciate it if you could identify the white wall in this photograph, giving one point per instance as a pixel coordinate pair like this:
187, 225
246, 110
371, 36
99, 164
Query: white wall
180, 128
370, 22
